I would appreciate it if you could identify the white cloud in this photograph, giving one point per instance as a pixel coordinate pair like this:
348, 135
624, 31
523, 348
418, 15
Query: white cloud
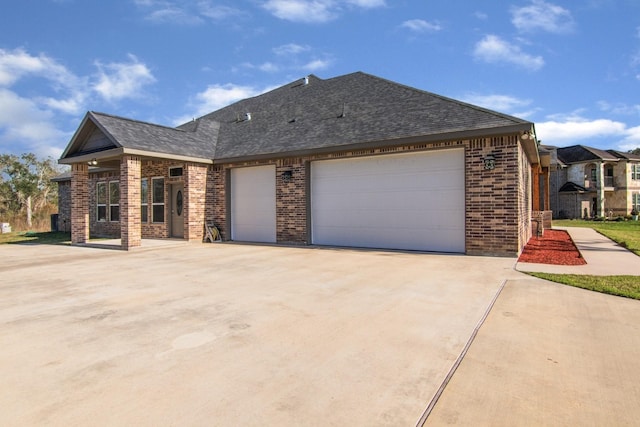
269, 67
421, 26
217, 12
290, 49
540, 15
119, 80
315, 11
503, 103
217, 96
317, 65
493, 49
24, 120
631, 140
367, 4
17, 64
574, 129
301, 10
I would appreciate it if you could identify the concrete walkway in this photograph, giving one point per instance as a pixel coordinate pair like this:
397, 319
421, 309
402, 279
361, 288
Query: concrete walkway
552, 355
604, 257
548, 355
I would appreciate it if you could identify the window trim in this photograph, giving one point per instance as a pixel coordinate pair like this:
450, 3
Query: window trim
172, 168
102, 184
154, 203
635, 172
114, 205
144, 201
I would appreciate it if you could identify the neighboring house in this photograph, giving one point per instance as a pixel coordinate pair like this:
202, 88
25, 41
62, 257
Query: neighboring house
354, 160
587, 182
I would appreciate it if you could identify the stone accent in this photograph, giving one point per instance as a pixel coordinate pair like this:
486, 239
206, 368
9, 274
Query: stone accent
79, 203
195, 187
130, 226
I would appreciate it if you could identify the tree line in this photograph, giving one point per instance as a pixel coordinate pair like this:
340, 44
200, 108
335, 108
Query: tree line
27, 195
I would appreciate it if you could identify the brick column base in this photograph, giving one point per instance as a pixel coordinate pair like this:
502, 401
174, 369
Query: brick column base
130, 223
79, 203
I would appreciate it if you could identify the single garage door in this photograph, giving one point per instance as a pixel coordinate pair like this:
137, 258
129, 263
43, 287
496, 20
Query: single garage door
409, 201
253, 204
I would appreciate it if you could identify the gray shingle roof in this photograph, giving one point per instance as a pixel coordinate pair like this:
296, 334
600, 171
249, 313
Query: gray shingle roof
582, 153
348, 110
161, 139
339, 113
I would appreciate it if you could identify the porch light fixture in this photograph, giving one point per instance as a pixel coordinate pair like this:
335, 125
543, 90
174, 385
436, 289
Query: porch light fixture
92, 162
286, 176
489, 162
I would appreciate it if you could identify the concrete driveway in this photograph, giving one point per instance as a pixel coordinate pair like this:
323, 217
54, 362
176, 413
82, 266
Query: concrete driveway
225, 334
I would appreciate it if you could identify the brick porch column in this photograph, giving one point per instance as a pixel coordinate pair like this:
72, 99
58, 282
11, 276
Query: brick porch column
79, 203
195, 187
130, 222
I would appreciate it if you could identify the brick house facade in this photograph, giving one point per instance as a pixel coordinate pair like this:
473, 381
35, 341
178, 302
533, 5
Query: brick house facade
497, 204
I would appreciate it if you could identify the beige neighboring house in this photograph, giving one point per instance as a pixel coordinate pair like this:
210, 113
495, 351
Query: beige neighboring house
586, 182
355, 161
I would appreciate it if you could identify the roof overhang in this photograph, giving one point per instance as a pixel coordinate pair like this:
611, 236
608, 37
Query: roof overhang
441, 137
116, 153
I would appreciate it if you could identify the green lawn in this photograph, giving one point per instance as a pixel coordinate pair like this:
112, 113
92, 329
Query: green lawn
625, 233
49, 238
624, 286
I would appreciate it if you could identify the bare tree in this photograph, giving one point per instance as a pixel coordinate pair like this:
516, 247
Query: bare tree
25, 185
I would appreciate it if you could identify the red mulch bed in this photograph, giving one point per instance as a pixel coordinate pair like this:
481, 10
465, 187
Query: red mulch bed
554, 247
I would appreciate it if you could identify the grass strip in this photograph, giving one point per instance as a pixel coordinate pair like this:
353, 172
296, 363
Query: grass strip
45, 238
623, 286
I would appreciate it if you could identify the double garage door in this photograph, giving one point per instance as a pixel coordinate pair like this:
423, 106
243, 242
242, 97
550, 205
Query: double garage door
411, 201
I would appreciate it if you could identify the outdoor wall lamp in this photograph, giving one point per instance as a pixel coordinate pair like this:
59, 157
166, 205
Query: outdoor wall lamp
92, 162
489, 162
286, 176
526, 135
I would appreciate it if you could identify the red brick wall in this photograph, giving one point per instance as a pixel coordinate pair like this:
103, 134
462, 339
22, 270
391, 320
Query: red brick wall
492, 197
130, 230
498, 201
291, 205
79, 203
195, 187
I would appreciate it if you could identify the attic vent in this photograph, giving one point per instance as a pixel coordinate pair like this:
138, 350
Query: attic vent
247, 117
305, 81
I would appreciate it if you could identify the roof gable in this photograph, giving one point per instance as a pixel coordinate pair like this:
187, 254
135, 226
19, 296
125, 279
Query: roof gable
101, 132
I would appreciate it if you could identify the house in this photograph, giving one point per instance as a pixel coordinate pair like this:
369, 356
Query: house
354, 160
588, 182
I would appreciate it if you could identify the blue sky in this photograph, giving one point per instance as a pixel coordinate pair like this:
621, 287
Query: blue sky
571, 67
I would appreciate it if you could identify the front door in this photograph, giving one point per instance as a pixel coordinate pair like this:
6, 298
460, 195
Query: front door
177, 210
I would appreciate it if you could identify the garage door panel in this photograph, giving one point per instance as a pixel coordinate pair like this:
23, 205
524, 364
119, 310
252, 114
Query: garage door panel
400, 201
253, 204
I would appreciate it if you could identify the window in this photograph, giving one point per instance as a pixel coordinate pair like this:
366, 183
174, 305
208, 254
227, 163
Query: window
157, 188
635, 201
101, 201
635, 172
144, 200
114, 201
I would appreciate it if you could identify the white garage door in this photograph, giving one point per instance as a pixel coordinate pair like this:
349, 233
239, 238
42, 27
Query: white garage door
253, 204
409, 201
